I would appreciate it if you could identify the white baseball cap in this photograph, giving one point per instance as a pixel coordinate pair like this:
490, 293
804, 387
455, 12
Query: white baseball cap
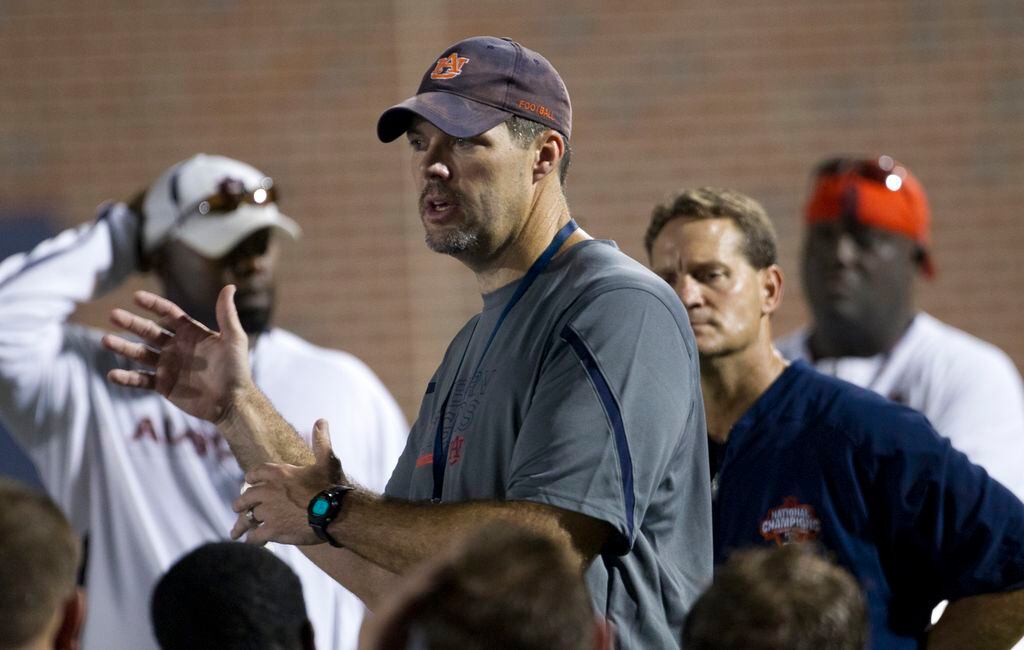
211, 203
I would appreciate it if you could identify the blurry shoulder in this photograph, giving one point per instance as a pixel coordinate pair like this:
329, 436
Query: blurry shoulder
281, 347
936, 347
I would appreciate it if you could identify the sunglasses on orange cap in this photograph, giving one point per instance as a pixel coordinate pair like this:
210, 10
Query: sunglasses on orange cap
884, 170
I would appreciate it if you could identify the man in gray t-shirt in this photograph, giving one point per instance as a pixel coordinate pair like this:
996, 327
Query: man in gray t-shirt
586, 400
570, 405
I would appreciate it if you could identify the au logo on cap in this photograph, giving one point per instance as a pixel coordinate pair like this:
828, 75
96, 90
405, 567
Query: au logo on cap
449, 67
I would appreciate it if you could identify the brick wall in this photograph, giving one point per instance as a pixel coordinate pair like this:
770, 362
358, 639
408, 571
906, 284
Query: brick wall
96, 98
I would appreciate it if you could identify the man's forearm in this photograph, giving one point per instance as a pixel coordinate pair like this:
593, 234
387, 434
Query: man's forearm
258, 434
984, 622
397, 535
363, 578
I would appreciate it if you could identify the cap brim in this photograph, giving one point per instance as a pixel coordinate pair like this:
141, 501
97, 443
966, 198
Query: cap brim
213, 236
453, 114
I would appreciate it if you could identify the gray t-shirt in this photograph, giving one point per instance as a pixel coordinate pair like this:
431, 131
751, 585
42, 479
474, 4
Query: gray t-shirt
588, 399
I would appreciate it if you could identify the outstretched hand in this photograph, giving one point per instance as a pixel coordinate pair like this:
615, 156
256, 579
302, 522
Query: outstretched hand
200, 371
280, 494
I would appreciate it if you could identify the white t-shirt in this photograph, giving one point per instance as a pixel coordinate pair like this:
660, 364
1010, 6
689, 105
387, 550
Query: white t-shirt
969, 389
147, 482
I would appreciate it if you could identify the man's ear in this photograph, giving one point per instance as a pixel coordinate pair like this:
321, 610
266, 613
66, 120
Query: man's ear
771, 288
70, 632
919, 256
549, 154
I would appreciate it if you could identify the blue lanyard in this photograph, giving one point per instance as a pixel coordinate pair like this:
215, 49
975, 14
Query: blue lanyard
440, 456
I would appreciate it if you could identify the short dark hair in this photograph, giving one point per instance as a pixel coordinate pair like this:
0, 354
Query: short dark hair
782, 598
232, 596
506, 587
524, 132
759, 240
39, 554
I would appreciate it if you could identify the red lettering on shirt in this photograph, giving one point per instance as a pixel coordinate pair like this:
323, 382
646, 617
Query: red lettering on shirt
145, 429
455, 450
790, 522
203, 441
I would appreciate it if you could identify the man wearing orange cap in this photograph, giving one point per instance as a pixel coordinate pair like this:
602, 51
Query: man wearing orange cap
801, 457
868, 227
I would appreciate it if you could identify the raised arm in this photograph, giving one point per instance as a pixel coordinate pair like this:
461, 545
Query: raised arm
38, 292
206, 374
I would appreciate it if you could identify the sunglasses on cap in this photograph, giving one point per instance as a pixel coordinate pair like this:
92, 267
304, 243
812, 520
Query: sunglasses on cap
884, 170
231, 193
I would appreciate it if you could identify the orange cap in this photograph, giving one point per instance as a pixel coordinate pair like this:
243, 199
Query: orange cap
877, 192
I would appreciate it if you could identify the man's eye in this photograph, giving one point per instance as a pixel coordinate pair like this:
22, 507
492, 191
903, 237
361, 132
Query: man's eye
864, 241
417, 144
872, 238
462, 143
669, 276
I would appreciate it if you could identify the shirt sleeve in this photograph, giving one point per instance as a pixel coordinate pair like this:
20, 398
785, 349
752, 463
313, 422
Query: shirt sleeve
950, 529
49, 368
613, 403
981, 410
41, 361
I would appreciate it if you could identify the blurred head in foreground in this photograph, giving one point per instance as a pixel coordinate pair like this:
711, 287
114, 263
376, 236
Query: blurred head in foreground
230, 596
501, 587
40, 603
781, 598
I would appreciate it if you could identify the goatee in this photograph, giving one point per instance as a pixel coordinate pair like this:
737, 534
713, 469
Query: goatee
451, 242
255, 320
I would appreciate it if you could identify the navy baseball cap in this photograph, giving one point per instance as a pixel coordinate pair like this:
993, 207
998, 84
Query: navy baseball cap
477, 84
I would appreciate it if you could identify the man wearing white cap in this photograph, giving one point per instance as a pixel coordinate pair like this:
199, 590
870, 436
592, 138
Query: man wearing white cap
144, 480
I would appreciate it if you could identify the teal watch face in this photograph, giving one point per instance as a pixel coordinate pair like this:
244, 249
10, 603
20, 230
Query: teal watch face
320, 506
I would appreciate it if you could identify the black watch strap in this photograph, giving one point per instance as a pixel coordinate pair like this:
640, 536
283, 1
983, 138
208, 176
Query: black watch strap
322, 533
325, 508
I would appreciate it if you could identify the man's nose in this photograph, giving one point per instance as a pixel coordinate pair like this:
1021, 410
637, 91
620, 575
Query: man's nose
247, 265
433, 166
437, 170
846, 249
690, 292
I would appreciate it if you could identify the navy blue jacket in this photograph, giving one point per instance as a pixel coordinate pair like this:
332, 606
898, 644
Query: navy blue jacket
816, 458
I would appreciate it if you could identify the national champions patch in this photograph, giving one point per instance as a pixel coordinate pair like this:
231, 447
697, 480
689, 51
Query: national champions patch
790, 523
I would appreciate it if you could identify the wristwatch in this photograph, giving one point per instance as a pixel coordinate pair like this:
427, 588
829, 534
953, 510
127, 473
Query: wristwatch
324, 508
